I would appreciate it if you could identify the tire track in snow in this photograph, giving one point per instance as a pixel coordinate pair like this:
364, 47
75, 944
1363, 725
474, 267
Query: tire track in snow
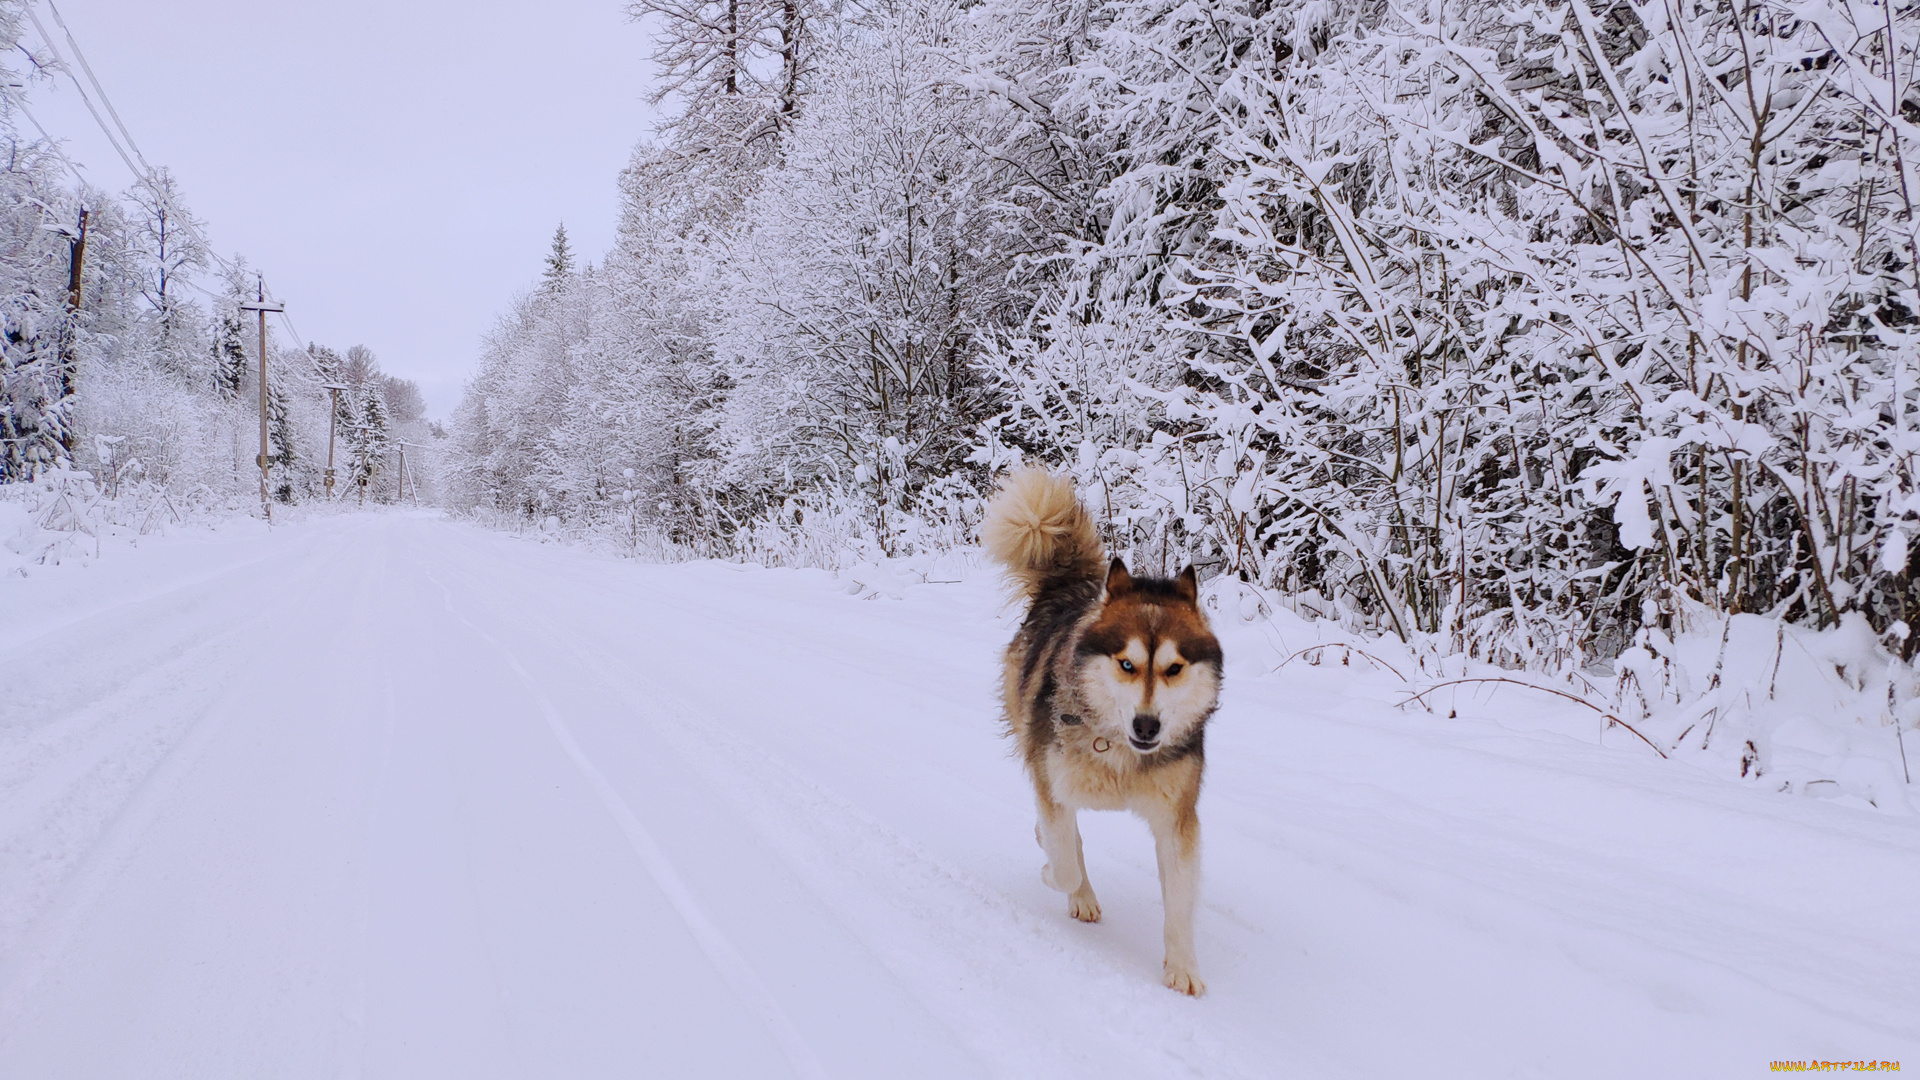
81, 730
70, 778
91, 869
156, 643
353, 1009
720, 951
49, 705
73, 746
43, 639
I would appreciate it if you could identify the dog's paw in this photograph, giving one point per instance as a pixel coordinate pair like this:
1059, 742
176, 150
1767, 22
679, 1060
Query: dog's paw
1182, 979
1082, 905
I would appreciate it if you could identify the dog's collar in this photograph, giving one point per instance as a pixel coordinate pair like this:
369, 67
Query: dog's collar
1101, 744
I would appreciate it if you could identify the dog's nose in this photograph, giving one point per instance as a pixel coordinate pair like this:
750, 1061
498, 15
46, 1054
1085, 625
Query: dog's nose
1146, 728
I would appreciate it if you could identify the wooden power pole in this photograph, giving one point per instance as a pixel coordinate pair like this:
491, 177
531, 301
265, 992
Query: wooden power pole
406, 475
76, 261
76, 256
262, 306
333, 421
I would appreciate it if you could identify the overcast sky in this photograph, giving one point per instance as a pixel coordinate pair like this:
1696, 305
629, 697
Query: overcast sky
395, 168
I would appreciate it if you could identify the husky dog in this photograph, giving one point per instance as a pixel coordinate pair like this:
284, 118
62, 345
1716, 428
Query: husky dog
1107, 686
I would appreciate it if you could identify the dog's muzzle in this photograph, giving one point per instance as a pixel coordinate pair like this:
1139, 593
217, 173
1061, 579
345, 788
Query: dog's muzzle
1145, 736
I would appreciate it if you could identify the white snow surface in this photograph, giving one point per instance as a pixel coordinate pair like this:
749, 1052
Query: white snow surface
386, 795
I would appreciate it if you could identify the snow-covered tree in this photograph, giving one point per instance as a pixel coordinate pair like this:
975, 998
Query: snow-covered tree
170, 249
559, 262
38, 332
368, 440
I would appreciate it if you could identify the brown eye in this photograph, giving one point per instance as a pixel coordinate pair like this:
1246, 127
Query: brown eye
1174, 669
1126, 666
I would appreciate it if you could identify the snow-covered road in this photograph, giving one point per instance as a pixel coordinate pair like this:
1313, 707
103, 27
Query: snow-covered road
384, 795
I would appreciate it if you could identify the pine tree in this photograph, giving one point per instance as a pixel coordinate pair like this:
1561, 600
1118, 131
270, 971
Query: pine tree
229, 357
330, 364
559, 262
368, 439
280, 440
34, 414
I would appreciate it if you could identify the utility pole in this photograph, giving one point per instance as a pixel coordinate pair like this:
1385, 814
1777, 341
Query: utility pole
407, 474
76, 259
76, 255
333, 420
262, 306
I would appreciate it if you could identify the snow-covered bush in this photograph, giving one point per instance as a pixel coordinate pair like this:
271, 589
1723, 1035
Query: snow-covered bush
64, 515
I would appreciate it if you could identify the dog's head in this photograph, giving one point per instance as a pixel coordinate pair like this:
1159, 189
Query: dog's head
1149, 664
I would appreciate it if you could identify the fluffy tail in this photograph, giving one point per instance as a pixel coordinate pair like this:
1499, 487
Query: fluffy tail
1038, 530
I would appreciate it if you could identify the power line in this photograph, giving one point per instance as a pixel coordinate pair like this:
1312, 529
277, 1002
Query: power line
101, 90
142, 173
288, 323
84, 97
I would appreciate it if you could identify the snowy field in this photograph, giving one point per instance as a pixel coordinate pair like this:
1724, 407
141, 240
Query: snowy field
383, 795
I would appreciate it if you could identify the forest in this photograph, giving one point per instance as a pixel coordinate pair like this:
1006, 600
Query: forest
1543, 328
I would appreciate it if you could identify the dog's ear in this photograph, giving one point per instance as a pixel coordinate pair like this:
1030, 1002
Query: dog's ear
1119, 582
1187, 585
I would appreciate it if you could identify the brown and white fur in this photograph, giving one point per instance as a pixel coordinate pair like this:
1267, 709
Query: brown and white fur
1108, 687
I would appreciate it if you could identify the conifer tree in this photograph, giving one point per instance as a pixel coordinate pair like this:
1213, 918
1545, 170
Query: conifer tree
280, 440
229, 357
559, 262
34, 420
368, 440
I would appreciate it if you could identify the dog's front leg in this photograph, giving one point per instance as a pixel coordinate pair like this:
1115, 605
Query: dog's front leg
1176, 844
1059, 834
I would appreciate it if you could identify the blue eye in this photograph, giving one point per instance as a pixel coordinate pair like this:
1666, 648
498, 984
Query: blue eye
1126, 666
